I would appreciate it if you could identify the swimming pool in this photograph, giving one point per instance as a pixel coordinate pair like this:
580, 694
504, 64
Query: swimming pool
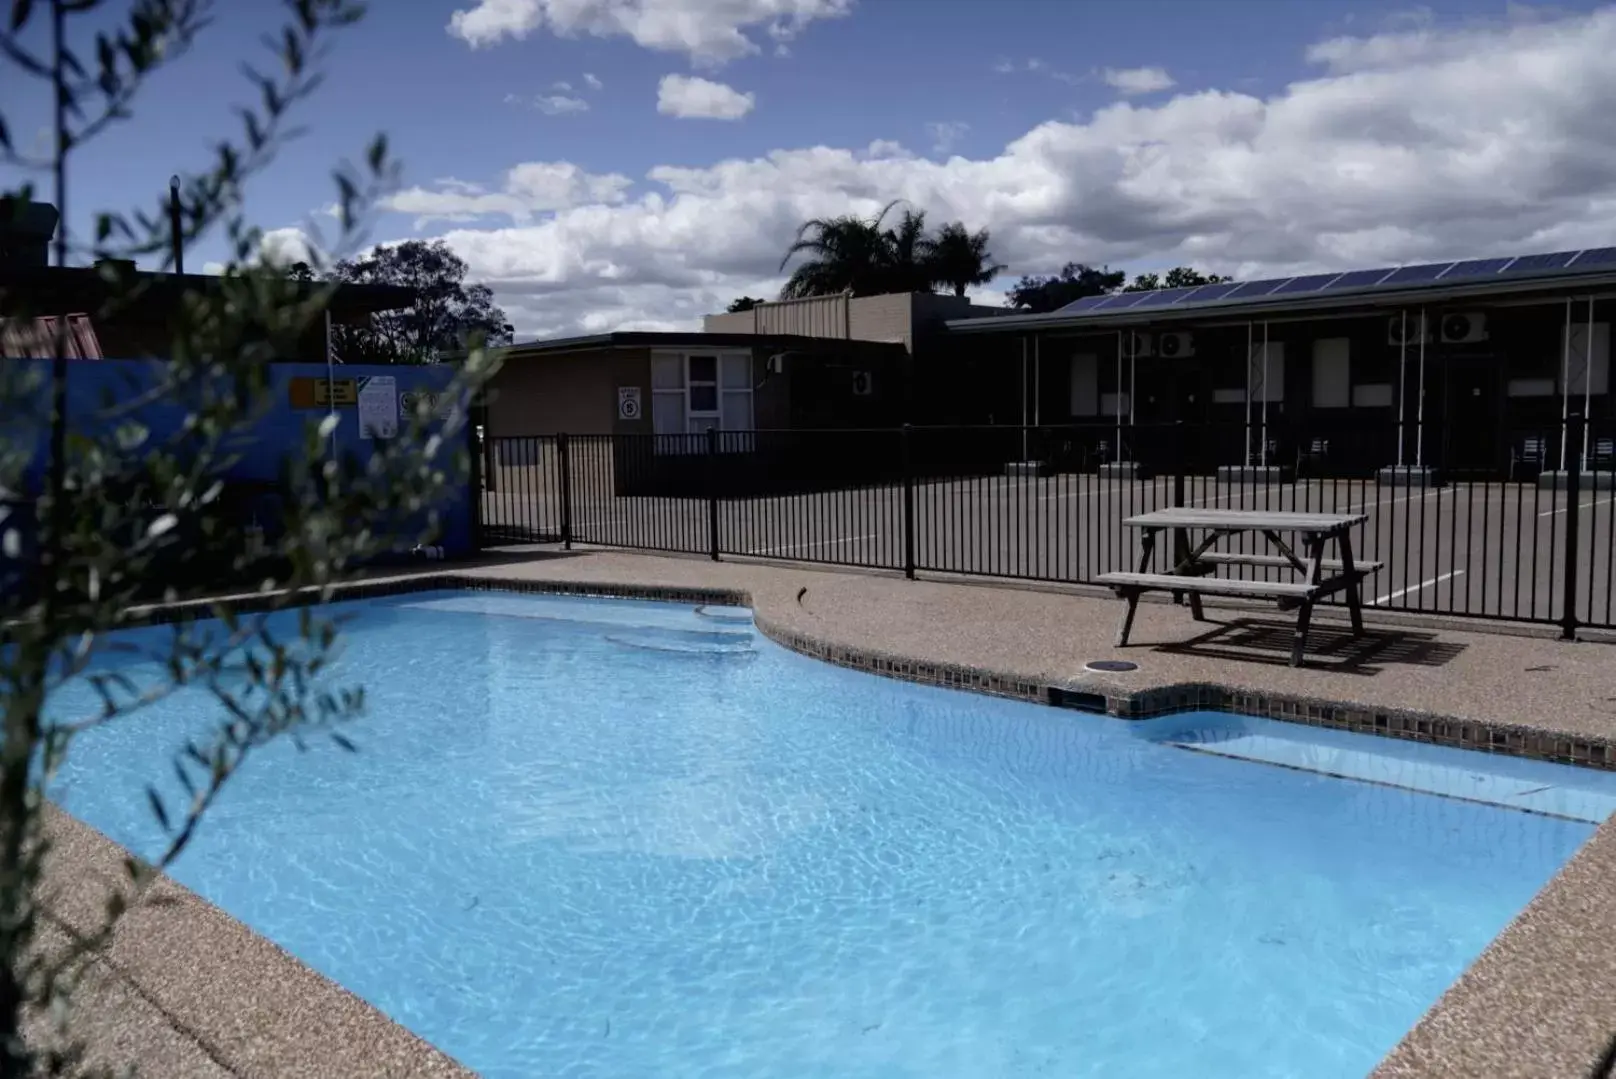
593, 838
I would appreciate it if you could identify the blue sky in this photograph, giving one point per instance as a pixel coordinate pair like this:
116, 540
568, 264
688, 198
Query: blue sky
1138, 132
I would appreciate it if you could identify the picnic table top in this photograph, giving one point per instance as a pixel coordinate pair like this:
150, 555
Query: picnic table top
1269, 520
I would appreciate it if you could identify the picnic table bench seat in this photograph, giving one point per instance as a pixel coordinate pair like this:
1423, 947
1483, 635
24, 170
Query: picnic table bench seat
1194, 573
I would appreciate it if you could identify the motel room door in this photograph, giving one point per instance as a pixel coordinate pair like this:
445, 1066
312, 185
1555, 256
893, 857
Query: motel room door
1472, 415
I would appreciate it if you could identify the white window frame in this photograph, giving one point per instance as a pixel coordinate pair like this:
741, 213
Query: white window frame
683, 443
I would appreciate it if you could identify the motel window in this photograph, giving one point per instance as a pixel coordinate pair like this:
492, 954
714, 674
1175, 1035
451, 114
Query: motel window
1085, 384
1331, 373
694, 392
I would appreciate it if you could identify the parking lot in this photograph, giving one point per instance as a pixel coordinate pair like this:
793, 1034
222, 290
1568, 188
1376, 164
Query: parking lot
1491, 549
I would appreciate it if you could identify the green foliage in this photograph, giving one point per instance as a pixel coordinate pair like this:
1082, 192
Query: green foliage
122, 516
867, 257
742, 303
445, 315
1038, 295
1177, 277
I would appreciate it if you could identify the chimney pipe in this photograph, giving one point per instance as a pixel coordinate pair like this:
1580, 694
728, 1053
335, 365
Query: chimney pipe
176, 232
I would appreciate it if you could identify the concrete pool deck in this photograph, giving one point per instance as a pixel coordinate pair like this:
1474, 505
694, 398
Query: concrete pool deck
1541, 1001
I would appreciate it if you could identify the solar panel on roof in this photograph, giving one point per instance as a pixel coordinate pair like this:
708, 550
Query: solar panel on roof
1599, 256
1163, 296
1477, 268
1359, 279
1409, 275
1256, 288
1128, 299
1211, 292
1310, 283
1110, 302
1558, 260
1087, 303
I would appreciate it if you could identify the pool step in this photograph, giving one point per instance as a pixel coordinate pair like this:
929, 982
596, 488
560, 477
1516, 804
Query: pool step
699, 644
1511, 783
739, 616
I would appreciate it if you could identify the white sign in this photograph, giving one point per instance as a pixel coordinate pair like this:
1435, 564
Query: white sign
378, 407
438, 404
628, 402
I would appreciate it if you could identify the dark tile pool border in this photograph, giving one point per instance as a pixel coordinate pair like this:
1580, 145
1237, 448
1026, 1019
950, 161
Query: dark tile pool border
1085, 695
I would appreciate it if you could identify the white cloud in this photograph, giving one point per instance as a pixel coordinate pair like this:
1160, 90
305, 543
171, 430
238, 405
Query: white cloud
526, 190
1437, 143
289, 244
690, 98
946, 133
709, 32
592, 82
1137, 80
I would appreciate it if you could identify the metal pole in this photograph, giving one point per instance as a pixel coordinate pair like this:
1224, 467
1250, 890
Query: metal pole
1419, 403
1262, 450
1402, 384
1251, 347
1133, 387
1587, 381
1037, 373
1565, 384
1118, 397
1023, 398
176, 229
330, 385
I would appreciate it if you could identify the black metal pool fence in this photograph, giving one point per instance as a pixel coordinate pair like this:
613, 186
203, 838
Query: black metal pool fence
1515, 525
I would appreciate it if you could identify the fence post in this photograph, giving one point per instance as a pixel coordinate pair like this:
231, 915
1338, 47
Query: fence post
474, 480
712, 492
908, 505
1573, 489
1179, 465
564, 464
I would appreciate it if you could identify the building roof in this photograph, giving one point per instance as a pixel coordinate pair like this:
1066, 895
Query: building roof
690, 340
1547, 274
40, 289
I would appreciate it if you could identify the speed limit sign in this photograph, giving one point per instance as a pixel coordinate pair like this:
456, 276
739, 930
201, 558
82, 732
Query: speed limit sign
628, 402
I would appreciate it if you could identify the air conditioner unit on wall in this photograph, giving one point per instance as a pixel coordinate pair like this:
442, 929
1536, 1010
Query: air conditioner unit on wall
1137, 345
1463, 328
1173, 346
1401, 330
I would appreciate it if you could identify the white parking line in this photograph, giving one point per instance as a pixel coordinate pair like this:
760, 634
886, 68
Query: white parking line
1583, 505
1417, 587
1356, 506
793, 547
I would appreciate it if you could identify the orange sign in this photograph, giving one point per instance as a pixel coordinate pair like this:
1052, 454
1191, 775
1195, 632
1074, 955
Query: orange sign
324, 393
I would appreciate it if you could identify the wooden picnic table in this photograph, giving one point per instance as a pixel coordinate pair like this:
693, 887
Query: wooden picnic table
1196, 531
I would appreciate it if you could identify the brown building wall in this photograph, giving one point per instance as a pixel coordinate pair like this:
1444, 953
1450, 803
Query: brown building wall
574, 392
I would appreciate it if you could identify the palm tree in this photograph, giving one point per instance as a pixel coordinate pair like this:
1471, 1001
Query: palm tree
909, 255
959, 258
857, 255
847, 254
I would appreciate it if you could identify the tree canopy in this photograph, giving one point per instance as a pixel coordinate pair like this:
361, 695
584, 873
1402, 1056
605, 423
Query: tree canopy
742, 303
1177, 277
1077, 281
869, 257
446, 314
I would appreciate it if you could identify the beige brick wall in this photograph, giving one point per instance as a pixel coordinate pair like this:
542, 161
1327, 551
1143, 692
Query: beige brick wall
573, 392
894, 318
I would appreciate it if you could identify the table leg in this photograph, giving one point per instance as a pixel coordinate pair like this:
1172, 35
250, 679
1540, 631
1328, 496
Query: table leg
1304, 616
1132, 596
1354, 583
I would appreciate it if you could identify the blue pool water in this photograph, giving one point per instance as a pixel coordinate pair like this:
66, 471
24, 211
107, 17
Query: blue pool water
592, 838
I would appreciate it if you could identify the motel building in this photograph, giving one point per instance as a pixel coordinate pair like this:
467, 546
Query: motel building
1419, 374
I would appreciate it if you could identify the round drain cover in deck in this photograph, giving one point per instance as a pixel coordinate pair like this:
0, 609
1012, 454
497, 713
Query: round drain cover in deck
1110, 665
